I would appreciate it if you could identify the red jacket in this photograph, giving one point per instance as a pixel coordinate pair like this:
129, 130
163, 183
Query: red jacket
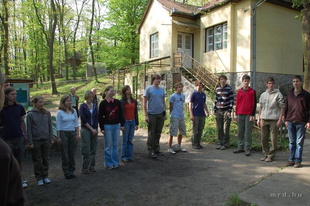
246, 102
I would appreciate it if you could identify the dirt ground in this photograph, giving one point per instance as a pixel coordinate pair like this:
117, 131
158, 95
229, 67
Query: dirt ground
196, 177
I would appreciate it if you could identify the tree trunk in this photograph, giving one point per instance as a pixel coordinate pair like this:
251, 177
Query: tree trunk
5, 41
53, 22
90, 39
306, 43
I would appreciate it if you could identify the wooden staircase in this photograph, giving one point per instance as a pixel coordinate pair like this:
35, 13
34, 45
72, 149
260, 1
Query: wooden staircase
192, 70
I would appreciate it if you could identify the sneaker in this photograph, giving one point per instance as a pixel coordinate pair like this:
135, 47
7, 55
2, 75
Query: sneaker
247, 152
110, 167
40, 183
200, 147
238, 150
290, 163
130, 160
153, 155
92, 170
182, 149
218, 147
297, 164
72, 176
159, 153
126, 160
223, 147
268, 159
24, 184
46, 180
115, 166
263, 158
171, 151
85, 172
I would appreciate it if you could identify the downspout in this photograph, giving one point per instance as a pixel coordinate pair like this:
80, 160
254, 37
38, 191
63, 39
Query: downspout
254, 41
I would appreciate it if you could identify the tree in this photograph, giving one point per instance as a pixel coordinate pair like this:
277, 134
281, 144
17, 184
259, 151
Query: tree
49, 36
90, 39
4, 16
306, 37
123, 18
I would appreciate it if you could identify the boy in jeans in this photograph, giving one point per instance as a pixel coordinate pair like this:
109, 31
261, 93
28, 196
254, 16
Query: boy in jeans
177, 117
245, 112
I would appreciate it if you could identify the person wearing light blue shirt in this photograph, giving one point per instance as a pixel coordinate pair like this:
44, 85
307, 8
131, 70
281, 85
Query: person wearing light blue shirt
154, 107
177, 117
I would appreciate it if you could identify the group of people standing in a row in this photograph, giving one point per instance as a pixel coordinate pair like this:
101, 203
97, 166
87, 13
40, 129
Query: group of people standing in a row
114, 115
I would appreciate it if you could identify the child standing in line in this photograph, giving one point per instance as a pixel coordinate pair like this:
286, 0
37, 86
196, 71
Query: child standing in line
130, 113
67, 126
245, 112
177, 117
111, 121
40, 138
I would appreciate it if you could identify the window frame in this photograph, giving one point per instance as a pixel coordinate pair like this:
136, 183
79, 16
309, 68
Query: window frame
154, 42
212, 46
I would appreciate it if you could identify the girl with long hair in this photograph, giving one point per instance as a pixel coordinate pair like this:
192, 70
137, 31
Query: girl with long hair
40, 138
111, 120
67, 126
89, 132
130, 113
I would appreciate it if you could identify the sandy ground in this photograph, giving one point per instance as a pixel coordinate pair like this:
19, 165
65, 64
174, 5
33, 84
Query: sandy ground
196, 177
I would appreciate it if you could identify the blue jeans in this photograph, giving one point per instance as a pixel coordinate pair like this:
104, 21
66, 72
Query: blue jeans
111, 136
296, 133
127, 146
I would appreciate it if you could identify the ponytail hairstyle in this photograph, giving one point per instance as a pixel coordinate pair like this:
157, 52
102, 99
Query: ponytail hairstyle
104, 95
124, 97
62, 104
7, 91
35, 100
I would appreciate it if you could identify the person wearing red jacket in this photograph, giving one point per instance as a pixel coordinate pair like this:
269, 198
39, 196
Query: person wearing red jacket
245, 112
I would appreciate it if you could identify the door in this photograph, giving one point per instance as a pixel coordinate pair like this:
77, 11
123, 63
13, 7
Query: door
185, 42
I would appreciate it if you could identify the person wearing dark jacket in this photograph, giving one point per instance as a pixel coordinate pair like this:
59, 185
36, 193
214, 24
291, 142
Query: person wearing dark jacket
130, 113
89, 132
297, 119
40, 138
111, 121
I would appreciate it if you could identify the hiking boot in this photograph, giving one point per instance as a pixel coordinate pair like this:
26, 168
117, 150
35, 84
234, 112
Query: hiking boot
159, 153
24, 184
218, 147
46, 180
247, 152
153, 155
263, 158
290, 163
223, 147
268, 159
40, 183
85, 172
239, 150
171, 151
297, 164
182, 149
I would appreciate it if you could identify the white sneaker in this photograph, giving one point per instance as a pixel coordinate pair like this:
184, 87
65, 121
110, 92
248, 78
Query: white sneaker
182, 149
40, 183
171, 151
46, 180
24, 184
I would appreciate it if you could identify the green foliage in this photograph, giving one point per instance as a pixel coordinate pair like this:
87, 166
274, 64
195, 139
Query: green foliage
234, 200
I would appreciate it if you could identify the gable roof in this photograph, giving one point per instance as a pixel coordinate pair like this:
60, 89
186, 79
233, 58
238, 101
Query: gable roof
194, 12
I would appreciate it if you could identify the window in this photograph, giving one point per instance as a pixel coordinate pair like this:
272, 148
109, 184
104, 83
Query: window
154, 45
216, 37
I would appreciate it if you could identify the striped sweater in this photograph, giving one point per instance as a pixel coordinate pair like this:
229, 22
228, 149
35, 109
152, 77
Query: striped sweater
224, 99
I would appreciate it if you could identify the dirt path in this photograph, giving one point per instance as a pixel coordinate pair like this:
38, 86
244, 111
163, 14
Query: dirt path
195, 177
